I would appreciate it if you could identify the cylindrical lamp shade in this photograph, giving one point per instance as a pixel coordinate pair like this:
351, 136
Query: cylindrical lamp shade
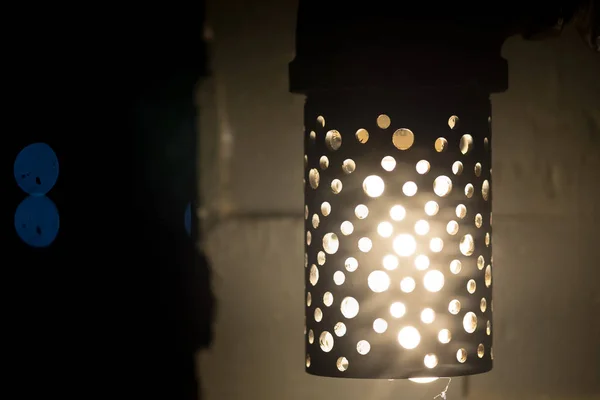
398, 263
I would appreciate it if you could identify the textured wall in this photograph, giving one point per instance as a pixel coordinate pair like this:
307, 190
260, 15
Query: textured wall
546, 176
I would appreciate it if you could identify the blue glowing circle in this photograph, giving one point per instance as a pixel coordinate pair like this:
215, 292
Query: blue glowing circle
187, 219
37, 221
36, 169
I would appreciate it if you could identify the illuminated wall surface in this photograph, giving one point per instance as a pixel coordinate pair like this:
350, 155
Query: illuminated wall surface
546, 167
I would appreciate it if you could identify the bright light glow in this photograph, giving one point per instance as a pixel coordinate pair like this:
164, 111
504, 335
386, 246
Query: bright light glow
427, 316
390, 262
380, 325
422, 262
378, 281
433, 281
388, 163
385, 229
365, 245
436, 245
444, 336
423, 167
349, 307
397, 213
421, 227
442, 185
397, 310
431, 208
373, 186
404, 245
409, 189
409, 337
430, 360
407, 284
423, 380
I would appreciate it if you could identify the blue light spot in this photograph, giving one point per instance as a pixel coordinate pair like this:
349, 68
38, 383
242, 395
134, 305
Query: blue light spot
37, 221
187, 219
36, 169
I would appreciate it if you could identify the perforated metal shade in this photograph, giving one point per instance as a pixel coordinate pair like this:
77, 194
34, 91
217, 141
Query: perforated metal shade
398, 263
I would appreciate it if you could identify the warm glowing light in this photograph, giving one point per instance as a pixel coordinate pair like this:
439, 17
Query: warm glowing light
373, 186
397, 213
433, 281
390, 262
397, 310
422, 262
407, 284
378, 281
423, 380
404, 245
427, 316
421, 227
385, 229
409, 337
349, 307
380, 325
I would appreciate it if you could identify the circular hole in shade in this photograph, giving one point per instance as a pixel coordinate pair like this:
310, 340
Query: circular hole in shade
362, 135
488, 276
333, 140
469, 190
321, 121
349, 307
452, 228
470, 322
318, 314
453, 122
483, 304
346, 228
421, 227
187, 219
336, 186
308, 238
423, 167
339, 329
363, 347
328, 299
339, 278
480, 262
455, 266
478, 220
442, 185
315, 221
466, 144
308, 299
314, 178
385, 229
348, 166
485, 190
397, 213
313, 276
311, 336
36, 169
457, 168
422, 262
477, 170
307, 360
454, 307
331, 244
471, 286
403, 139
325, 208
378, 281
461, 355
388, 163
433, 281
480, 351
380, 325
326, 341
427, 316
373, 186
407, 285
351, 264
404, 245
313, 136
409, 189
365, 244
37, 221
397, 309
342, 364
383, 121
444, 336
324, 162
431, 208
430, 361
467, 245
440, 145
390, 262
361, 211
409, 337
321, 258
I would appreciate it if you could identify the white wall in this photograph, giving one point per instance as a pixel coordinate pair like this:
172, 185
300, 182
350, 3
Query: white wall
546, 209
